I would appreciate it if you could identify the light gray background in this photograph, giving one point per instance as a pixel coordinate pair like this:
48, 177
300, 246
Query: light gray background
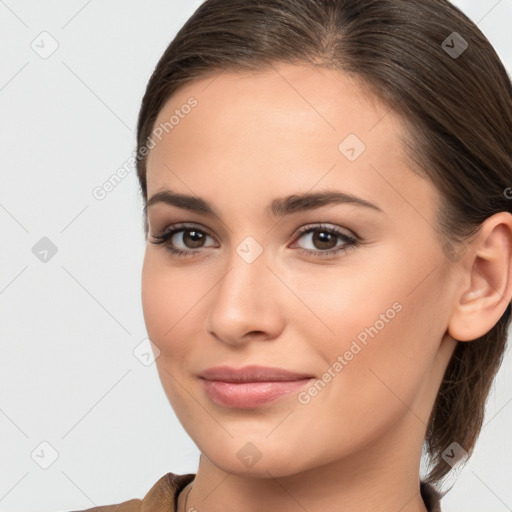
69, 376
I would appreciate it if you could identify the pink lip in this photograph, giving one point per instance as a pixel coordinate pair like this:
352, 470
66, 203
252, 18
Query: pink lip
250, 386
251, 373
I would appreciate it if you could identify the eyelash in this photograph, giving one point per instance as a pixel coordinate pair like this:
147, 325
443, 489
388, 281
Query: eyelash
164, 237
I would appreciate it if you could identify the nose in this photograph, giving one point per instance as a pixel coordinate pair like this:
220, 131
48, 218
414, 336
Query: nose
245, 304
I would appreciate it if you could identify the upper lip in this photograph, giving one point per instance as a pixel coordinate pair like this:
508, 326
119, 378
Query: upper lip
252, 373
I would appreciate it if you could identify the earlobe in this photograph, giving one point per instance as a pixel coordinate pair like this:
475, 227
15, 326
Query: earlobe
488, 269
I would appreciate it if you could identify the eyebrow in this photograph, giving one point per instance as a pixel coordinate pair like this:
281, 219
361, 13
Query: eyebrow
278, 207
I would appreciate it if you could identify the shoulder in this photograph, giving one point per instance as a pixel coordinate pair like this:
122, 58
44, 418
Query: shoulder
126, 506
161, 496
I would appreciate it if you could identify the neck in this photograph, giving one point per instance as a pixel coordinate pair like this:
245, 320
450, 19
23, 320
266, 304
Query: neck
382, 475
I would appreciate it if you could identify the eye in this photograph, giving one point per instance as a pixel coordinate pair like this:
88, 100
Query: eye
188, 241
191, 239
325, 241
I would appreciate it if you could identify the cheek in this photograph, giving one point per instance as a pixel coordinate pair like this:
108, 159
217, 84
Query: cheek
167, 302
168, 297
153, 295
381, 332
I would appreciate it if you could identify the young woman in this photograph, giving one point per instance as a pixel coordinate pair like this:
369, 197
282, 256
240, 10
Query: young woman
327, 276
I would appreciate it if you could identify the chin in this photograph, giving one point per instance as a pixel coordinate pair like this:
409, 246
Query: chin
247, 455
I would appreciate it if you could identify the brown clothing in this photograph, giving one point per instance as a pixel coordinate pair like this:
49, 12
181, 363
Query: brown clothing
163, 497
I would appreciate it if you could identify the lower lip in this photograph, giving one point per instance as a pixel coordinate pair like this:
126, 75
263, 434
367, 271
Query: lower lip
248, 395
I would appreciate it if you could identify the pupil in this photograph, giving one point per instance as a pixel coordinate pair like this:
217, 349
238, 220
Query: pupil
323, 238
197, 235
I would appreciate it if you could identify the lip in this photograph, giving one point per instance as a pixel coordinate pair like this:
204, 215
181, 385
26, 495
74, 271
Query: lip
251, 386
251, 373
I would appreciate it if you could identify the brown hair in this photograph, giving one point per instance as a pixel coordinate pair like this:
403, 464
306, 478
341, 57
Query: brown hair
457, 109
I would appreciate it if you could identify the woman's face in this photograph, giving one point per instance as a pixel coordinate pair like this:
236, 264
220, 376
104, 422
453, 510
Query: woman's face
257, 286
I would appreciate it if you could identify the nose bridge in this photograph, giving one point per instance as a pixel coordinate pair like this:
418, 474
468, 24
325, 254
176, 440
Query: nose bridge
246, 268
242, 301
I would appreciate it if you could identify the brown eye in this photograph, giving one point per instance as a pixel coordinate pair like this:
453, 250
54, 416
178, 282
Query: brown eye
192, 238
325, 240
183, 240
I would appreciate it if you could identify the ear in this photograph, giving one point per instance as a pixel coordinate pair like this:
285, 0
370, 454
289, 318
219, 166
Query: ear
486, 284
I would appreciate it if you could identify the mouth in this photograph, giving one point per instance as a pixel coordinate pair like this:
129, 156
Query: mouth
251, 386
249, 395
252, 373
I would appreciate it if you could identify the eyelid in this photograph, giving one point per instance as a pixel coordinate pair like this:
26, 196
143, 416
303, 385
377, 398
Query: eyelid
314, 225
351, 240
172, 229
328, 227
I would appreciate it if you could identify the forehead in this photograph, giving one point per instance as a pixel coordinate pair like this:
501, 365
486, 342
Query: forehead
312, 99
292, 127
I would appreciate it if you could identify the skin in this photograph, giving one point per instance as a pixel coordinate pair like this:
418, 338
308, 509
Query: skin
356, 445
